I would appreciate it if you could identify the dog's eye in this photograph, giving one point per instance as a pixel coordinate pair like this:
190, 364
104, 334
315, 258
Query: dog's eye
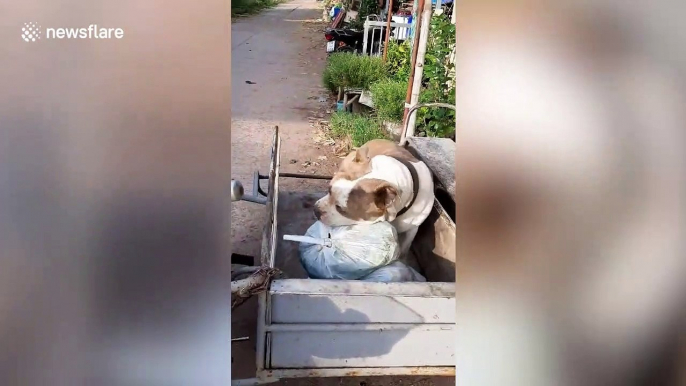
339, 208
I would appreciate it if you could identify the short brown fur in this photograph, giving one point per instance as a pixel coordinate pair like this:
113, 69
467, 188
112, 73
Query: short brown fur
369, 200
357, 163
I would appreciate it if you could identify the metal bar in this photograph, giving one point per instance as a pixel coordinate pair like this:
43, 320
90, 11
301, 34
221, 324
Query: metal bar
364, 39
338, 327
360, 288
443, 371
255, 199
241, 339
393, 24
256, 184
388, 28
265, 257
409, 131
303, 175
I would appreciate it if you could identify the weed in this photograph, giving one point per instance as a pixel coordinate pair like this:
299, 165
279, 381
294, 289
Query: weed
347, 70
251, 7
359, 128
388, 97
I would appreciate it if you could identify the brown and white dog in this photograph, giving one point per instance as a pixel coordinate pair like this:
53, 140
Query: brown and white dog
381, 181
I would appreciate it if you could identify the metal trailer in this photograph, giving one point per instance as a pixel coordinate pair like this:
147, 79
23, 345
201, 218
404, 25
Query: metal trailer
338, 328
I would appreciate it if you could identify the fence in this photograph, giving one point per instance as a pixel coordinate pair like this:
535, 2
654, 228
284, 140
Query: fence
374, 36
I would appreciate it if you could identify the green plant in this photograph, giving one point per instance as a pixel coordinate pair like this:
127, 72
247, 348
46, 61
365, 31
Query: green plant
359, 128
367, 7
398, 59
356, 24
251, 7
347, 70
438, 79
388, 96
436, 121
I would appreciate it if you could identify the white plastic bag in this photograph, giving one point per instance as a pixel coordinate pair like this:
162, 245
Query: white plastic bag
347, 252
394, 272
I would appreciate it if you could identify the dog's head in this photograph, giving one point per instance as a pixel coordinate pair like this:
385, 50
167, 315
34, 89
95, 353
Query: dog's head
348, 202
352, 199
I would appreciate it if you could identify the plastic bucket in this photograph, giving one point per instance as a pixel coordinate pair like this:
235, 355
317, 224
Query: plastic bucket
340, 106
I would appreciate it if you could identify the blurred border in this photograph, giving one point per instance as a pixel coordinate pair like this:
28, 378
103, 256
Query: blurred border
114, 195
570, 194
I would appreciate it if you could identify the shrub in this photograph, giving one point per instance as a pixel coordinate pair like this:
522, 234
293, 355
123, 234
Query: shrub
398, 59
359, 128
388, 97
250, 7
352, 71
438, 83
436, 121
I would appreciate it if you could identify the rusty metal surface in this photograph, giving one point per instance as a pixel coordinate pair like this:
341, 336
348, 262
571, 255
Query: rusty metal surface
268, 250
444, 371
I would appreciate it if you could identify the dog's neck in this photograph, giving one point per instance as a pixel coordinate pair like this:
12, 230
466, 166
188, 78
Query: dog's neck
389, 169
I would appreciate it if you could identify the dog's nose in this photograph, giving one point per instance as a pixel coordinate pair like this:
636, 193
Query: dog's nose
317, 212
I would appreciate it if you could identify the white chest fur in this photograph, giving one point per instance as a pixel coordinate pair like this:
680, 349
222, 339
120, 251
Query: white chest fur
393, 171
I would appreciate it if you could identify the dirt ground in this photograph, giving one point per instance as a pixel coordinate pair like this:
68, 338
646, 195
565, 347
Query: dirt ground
277, 61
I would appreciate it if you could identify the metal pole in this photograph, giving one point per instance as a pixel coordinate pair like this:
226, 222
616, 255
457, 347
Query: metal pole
365, 39
415, 43
388, 29
419, 65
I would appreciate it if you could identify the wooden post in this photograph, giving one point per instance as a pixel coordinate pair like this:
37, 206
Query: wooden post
419, 65
388, 29
415, 43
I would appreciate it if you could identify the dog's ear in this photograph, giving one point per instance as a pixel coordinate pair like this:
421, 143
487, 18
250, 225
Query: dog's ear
384, 195
362, 155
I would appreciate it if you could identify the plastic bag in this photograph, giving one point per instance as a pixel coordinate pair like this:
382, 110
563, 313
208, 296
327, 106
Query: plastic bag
347, 252
394, 272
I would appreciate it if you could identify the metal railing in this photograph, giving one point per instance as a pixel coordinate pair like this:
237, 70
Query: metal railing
372, 43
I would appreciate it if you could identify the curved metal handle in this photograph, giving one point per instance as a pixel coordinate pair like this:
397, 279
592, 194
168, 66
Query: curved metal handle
405, 133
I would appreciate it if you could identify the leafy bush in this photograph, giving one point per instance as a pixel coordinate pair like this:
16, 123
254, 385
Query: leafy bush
352, 71
436, 121
388, 97
359, 128
438, 79
250, 7
367, 7
398, 59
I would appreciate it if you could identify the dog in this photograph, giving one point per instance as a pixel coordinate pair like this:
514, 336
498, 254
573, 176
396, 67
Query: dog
380, 181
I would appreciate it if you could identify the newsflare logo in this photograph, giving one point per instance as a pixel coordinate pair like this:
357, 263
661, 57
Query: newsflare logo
32, 32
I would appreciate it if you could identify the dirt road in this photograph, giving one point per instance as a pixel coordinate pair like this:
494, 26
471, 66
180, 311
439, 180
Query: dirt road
277, 61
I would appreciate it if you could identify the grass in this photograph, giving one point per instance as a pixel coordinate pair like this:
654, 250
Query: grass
359, 128
251, 7
352, 71
388, 97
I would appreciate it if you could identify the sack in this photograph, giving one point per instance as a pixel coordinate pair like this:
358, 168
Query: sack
347, 252
394, 272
